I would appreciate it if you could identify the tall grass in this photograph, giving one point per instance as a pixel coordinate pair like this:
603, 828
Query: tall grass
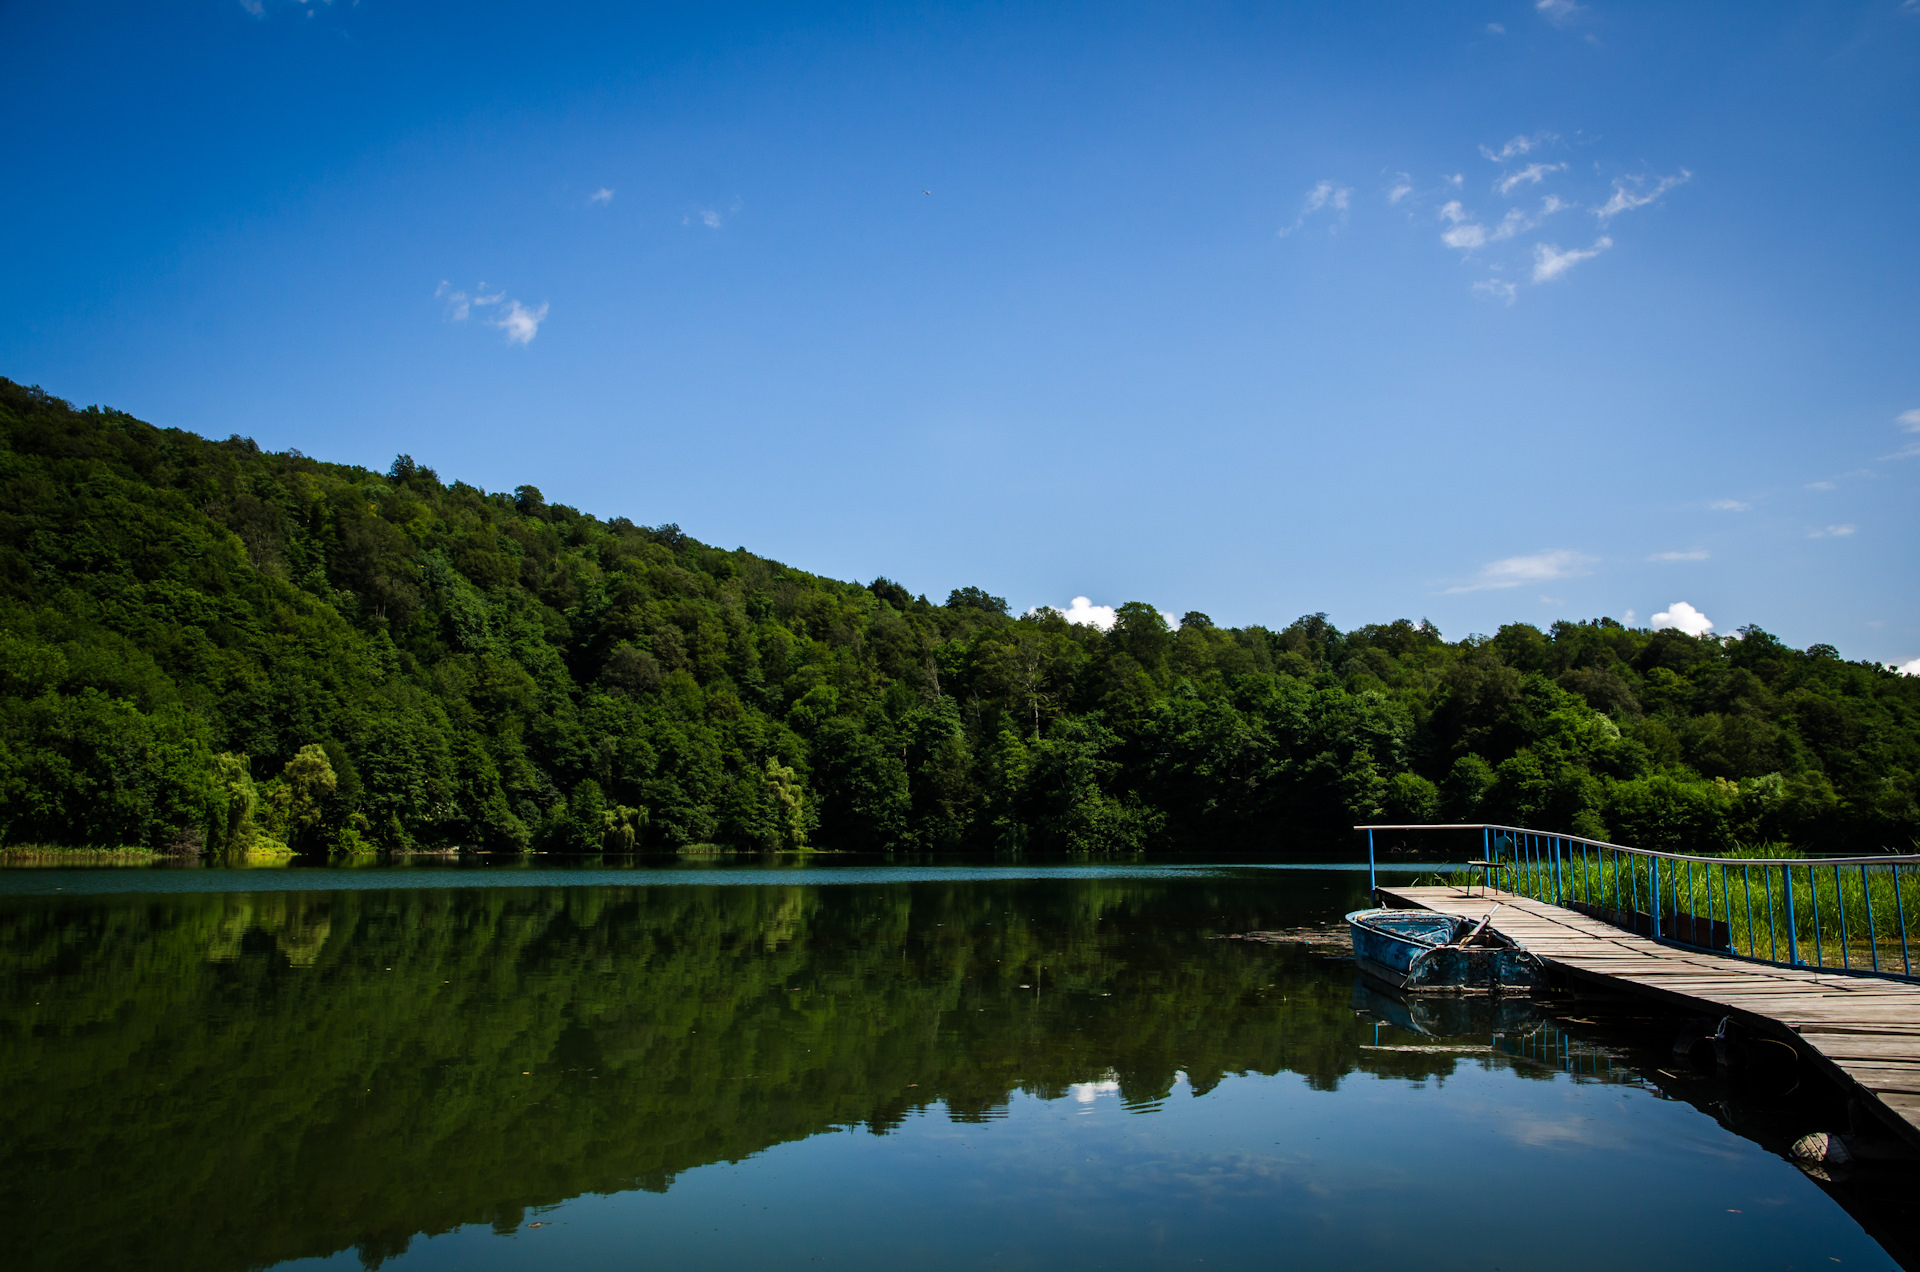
1860, 917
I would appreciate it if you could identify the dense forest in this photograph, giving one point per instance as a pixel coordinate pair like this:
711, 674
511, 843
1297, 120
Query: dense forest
210, 649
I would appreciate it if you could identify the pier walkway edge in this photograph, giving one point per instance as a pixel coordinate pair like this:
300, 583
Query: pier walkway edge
1864, 1031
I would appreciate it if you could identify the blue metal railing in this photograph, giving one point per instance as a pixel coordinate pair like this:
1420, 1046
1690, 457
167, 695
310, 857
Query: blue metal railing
1849, 912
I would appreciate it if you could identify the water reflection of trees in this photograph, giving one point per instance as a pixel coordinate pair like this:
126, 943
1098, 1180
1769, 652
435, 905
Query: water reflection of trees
223, 1081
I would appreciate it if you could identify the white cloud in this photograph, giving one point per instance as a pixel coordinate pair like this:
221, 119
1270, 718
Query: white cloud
1471, 236
520, 323
1402, 187
1532, 174
256, 8
1517, 147
1084, 612
1514, 222
460, 305
1494, 28
1324, 195
1831, 532
1558, 12
1909, 420
1625, 200
1692, 554
1540, 567
1908, 668
456, 300
1549, 262
1628, 618
1682, 617
1821, 485
1730, 505
602, 195
1498, 288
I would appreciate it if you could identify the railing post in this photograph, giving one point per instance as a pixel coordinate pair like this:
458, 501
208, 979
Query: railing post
1813, 899
1873, 937
1840, 903
1746, 880
1900, 917
1557, 891
1653, 865
1372, 884
1793, 929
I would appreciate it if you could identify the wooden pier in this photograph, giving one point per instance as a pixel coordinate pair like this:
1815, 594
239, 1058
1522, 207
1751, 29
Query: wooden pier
1864, 1030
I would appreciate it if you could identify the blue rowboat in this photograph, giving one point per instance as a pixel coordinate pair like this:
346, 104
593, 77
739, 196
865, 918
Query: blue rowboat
1420, 951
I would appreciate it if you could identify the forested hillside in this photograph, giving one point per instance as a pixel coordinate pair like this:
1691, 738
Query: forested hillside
208, 648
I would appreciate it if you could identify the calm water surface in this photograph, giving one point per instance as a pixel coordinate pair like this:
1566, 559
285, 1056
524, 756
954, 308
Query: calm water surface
872, 1068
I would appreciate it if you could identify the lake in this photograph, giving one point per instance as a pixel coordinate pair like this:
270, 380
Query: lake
852, 1067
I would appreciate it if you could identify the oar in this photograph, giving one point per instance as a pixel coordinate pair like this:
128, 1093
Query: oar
1480, 927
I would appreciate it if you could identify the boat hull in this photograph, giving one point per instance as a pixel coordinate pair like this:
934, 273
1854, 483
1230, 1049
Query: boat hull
1410, 951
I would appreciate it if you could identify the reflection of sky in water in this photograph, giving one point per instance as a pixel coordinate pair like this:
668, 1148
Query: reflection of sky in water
1088, 1092
1489, 1171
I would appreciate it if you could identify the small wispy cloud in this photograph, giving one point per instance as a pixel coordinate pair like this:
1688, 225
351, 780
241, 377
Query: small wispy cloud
1626, 200
1549, 262
1402, 187
1682, 617
709, 217
1494, 28
1538, 567
1831, 532
1517, 147
1730, 505
1324, 195
1821, 485
460, 304
1558, 12
254, 8
1909, 421
1471, 235
1532, 174
1498, 288
519, 322
602, 195
1691, 554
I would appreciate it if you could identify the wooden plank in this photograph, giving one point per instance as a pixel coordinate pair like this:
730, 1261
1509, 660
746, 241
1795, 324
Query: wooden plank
1892, 1081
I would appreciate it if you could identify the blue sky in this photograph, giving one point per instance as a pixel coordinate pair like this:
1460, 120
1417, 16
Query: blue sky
1481, 312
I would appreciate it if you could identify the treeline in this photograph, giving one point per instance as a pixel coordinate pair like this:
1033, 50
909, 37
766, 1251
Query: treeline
205, 648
